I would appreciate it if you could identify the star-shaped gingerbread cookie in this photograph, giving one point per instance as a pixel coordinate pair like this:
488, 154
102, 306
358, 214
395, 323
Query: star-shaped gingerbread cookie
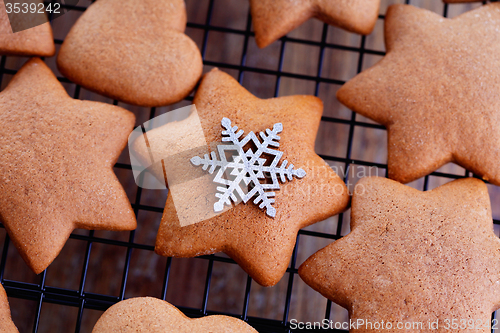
273, 19
37, 41
6, 324
436, 91
56, 159
152, 315
414, 257
261, 244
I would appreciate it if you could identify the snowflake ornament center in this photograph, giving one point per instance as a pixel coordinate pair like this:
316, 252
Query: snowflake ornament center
248, 167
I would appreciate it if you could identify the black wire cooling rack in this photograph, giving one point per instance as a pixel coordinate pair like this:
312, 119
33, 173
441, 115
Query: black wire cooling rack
81, 300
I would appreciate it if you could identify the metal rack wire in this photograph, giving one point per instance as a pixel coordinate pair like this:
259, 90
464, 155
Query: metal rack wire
80, 299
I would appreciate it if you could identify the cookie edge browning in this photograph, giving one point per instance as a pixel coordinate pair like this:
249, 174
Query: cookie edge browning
116, 311
6, 326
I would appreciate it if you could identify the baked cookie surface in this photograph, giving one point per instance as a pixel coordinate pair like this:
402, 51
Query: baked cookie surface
134, 51
148, 314
273, 19
6, 324
37, 41
262, 245
412, 256
56, 160
435, 91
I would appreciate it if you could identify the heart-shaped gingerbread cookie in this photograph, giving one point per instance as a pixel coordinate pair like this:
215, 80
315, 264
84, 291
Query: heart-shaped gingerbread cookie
148, 314
133, 51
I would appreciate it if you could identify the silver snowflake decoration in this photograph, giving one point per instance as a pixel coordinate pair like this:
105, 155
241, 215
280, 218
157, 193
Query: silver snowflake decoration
248, 167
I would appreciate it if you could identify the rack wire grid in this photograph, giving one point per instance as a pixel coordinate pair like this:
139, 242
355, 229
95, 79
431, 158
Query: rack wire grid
97, 269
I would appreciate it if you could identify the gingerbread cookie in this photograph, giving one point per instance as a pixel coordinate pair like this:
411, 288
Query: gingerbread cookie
152, 315
259, 235
435, 92
273, 19
134, 51
6, 324
37, 41
56, 160
414, 257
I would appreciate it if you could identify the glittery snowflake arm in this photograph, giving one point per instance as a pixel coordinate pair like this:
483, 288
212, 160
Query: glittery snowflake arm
272, 135
206, 161
224, 197
267, 202
231, 133
289, 172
